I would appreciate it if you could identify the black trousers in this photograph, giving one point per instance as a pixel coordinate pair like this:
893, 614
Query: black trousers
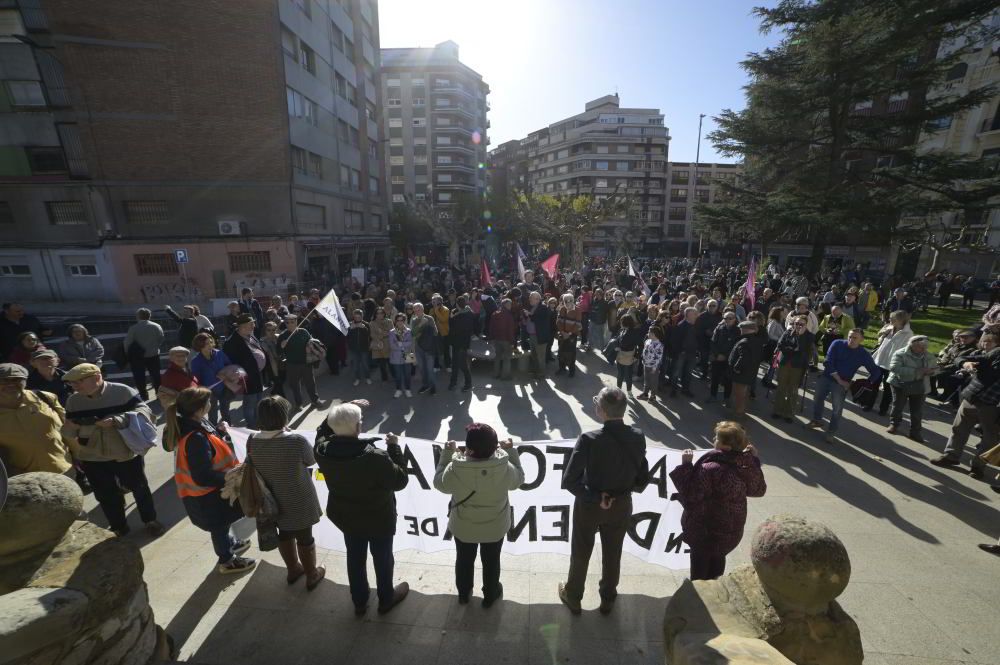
460, 362
105, 478
140, 367
465, 567
706, 565
720, 375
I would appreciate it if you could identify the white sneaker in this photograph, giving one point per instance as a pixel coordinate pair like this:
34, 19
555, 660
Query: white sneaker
356, 382
397, 393
368, 381
409, 394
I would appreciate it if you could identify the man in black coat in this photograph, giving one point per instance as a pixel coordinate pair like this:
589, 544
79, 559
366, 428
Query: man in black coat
13, 322
461, 328
245, 350
744, 362
683, 348
249, 305
539, 331
604, 469
362, 482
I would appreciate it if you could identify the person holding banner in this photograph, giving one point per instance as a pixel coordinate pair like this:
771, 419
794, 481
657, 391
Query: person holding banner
479, 477
714, 493
605, 467
362, 482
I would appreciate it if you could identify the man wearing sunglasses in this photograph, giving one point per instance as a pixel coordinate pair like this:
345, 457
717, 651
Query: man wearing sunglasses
795, 350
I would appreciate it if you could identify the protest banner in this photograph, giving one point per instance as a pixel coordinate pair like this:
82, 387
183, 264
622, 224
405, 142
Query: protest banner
542, 509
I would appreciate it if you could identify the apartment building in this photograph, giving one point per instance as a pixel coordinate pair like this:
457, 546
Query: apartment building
435, 123
244, 134
689, 184
605, 148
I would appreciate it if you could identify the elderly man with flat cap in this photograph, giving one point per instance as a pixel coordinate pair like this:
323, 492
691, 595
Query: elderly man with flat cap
30, 424
96, 414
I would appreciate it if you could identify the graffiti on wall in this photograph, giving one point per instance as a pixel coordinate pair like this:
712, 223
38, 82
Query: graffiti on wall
260, 285
171, 292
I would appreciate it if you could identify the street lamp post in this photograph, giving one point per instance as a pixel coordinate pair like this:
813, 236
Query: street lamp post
697, 159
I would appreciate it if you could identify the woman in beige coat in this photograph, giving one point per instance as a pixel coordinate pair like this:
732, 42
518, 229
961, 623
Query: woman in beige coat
380, 326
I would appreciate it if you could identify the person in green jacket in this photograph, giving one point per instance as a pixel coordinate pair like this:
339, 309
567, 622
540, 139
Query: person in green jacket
292, 345
479, 477
909, 376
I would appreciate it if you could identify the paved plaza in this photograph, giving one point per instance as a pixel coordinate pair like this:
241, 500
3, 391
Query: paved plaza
921, 591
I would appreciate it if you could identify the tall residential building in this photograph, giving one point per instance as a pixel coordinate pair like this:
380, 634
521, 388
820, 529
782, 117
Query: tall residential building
246, 134
604, 148
435, 121
689, 184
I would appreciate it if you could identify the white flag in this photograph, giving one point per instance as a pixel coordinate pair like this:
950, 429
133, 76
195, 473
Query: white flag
631, 268
331, 310
520, 268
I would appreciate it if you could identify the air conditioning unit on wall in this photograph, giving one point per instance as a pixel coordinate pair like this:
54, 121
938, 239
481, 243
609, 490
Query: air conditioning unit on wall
231, 228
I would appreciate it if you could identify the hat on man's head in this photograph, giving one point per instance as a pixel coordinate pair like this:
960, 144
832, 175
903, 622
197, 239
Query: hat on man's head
968, 332
13, 371
81, 372
178, 349
244, 319
47, 353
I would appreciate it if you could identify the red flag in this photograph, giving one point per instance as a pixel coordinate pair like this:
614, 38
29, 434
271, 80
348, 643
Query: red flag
550, 265
484, 274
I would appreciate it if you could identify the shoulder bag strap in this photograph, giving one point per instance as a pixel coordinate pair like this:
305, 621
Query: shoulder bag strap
456, 505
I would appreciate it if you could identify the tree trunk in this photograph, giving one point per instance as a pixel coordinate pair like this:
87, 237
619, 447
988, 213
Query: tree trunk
453, 251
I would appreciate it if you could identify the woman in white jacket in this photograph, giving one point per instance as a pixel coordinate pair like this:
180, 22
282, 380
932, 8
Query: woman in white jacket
894, 336
479, 477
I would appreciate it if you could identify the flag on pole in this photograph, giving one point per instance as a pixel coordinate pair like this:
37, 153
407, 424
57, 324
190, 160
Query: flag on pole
550, 265
751, 285
484, 274
632, 272
520, 252
329, 307
641, 285
520, 268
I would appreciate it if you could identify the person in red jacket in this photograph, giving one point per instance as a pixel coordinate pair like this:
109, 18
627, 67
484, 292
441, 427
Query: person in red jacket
713, 492
503, 333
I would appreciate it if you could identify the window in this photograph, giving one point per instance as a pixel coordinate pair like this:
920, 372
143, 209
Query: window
355, 137
399, 198
249, 261
147, 212
354, 219
395, 122
307, 59
678, 194
444, 196
288, 44
310, 216
701, 195
678, 212
420, 122
372, 185
443, 140
372, 149
25, 93
675, 230
377, 222
397, 161
66, 213
300, 106
416, 83
680, 177
345, 177
601, 166
395, 101
420, 159
704, 177
356, 180
46, 160
299, 161
602, 149
601, 182
349, 49
418, 101
341, 83
621, 166
80, 266
392, 83
444, 177
305, 6
370, 111
338, 37
315, 165
399, 180
343, 131
939, 123
352, 95
156, 264
14, 269
6, 214
444, 159
621, 147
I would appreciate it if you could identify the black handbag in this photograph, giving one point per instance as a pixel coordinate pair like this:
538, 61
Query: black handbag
611, 349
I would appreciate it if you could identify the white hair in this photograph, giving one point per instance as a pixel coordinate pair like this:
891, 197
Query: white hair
344, 419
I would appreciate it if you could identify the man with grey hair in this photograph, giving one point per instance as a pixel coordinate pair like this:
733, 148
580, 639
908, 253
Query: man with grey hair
605, 467
362, 481
142, 346
683, 349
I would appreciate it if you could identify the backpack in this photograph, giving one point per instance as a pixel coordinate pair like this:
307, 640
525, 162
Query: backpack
315, 351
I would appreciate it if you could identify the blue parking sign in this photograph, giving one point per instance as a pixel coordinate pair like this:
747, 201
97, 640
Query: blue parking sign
181, 255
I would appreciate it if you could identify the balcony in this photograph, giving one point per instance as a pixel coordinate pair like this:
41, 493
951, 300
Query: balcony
463, 186
454, 146
455, 166
452, 108
458, 129
453, 89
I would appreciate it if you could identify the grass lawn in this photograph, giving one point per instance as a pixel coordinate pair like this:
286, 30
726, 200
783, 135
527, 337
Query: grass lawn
937, 323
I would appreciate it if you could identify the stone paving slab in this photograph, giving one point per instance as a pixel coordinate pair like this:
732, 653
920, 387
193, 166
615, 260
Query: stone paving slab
921, 591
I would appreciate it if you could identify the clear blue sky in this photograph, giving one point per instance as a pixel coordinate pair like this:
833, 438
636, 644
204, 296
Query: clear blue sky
543, 59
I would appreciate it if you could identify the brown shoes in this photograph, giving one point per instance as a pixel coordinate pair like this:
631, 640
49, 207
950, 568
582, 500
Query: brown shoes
398, 595
574, 606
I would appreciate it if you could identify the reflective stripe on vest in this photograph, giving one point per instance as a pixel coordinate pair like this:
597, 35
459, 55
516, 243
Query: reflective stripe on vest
222, 460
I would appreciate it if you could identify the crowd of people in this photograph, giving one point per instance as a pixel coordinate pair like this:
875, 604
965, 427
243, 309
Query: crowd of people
661, 325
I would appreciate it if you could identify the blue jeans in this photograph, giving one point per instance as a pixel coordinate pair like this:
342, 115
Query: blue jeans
402, 375
598, 335
680, 370
425, 365
357, 567
250, 403
827, 386
359, 364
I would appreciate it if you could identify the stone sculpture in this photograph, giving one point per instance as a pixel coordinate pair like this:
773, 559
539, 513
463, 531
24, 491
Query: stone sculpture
779, 611
70, 593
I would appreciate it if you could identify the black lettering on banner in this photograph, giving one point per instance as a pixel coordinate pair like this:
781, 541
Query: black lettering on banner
412, 468
658, 475
436, 450
559, 450
447, 534
430, 526
645, 541
674, 544
531, 520
540, 460
412, 529
562, 524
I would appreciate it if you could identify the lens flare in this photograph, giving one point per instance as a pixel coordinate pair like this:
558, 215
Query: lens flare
477, 138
